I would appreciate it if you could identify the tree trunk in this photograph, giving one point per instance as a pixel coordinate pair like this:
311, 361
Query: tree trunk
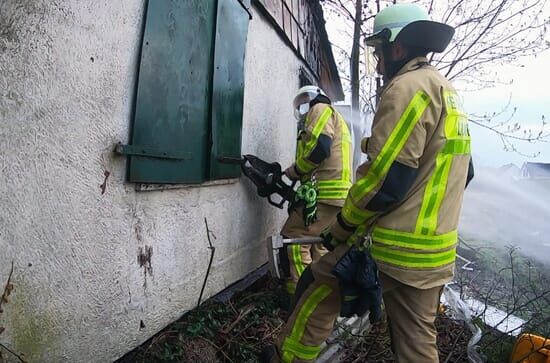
354, 61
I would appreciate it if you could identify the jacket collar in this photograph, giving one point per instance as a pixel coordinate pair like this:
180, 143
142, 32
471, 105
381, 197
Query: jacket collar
412, 65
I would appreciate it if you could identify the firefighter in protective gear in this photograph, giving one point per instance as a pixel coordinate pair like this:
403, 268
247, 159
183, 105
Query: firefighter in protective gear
323, 167
406, 199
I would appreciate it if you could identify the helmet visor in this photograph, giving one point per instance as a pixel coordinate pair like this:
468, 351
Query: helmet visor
301, 111
305, 97
371, 62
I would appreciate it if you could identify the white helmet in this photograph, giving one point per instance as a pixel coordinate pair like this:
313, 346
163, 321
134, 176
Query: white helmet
302, 99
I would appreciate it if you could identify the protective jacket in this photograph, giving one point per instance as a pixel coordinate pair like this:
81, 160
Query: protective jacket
419, 134
324, 149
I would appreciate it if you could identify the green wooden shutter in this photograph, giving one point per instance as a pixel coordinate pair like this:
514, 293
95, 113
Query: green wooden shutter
228, 85
170, 131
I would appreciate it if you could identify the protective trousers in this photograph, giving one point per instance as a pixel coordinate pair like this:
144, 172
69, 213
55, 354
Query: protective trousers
313, 316
411, 316
411, 319
301, 256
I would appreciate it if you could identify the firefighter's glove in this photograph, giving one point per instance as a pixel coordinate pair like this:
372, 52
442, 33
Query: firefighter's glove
310, 214
359, 285
306, 194
337, 233
328, 240
292, 173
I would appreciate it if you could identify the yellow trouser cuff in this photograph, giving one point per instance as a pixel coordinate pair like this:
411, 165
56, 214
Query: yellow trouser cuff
290, 287
299, 350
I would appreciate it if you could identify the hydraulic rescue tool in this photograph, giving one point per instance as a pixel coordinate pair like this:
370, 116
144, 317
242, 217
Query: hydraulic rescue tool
269, 182
267, 177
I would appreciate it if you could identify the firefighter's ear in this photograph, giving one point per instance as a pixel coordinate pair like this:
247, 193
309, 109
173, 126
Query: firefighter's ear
364, 144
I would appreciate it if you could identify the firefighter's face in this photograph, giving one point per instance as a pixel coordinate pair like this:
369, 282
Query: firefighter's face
396, 53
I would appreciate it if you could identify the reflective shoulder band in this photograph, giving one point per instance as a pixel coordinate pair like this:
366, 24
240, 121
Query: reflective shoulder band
302, 163
392, 147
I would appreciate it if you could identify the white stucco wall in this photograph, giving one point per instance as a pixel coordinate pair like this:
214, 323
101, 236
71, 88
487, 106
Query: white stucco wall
67, 74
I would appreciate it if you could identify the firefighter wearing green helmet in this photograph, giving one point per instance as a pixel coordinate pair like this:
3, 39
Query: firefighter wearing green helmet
398, 226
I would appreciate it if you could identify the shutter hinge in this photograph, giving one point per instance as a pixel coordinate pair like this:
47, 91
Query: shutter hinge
150, 152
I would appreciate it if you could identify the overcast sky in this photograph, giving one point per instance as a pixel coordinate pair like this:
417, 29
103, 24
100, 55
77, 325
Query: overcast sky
528, 92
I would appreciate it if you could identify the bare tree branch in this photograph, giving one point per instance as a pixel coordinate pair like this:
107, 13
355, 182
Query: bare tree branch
488, 33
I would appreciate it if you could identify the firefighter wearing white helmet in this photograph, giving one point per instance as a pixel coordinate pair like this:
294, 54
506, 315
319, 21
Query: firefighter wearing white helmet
323, 167
398, 226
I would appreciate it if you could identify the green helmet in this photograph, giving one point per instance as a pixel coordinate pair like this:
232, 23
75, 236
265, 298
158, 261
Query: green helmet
411, 25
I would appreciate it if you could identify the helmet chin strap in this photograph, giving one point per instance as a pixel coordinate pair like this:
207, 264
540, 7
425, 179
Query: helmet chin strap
391, 67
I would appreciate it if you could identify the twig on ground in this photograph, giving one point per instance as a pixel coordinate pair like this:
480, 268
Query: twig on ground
453, 347
276, 329
240, 317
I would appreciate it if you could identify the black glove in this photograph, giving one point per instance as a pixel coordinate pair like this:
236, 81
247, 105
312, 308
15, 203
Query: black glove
359, 284
329, 242
338, 233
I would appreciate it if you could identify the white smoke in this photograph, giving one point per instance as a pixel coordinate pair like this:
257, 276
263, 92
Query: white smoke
359, 126
502, 209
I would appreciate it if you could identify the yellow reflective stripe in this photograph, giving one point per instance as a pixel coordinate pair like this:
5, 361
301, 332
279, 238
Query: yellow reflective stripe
456, 122
287, 357
290, 287
334, 194
457, 146
334, 183
299, 350
392, 147
426, 222
354, 215
304, 165
346, 151
319, 126
297, 259
297, 333
413, 240
411, 259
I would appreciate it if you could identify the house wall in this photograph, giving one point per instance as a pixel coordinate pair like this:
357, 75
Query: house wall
97, 274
